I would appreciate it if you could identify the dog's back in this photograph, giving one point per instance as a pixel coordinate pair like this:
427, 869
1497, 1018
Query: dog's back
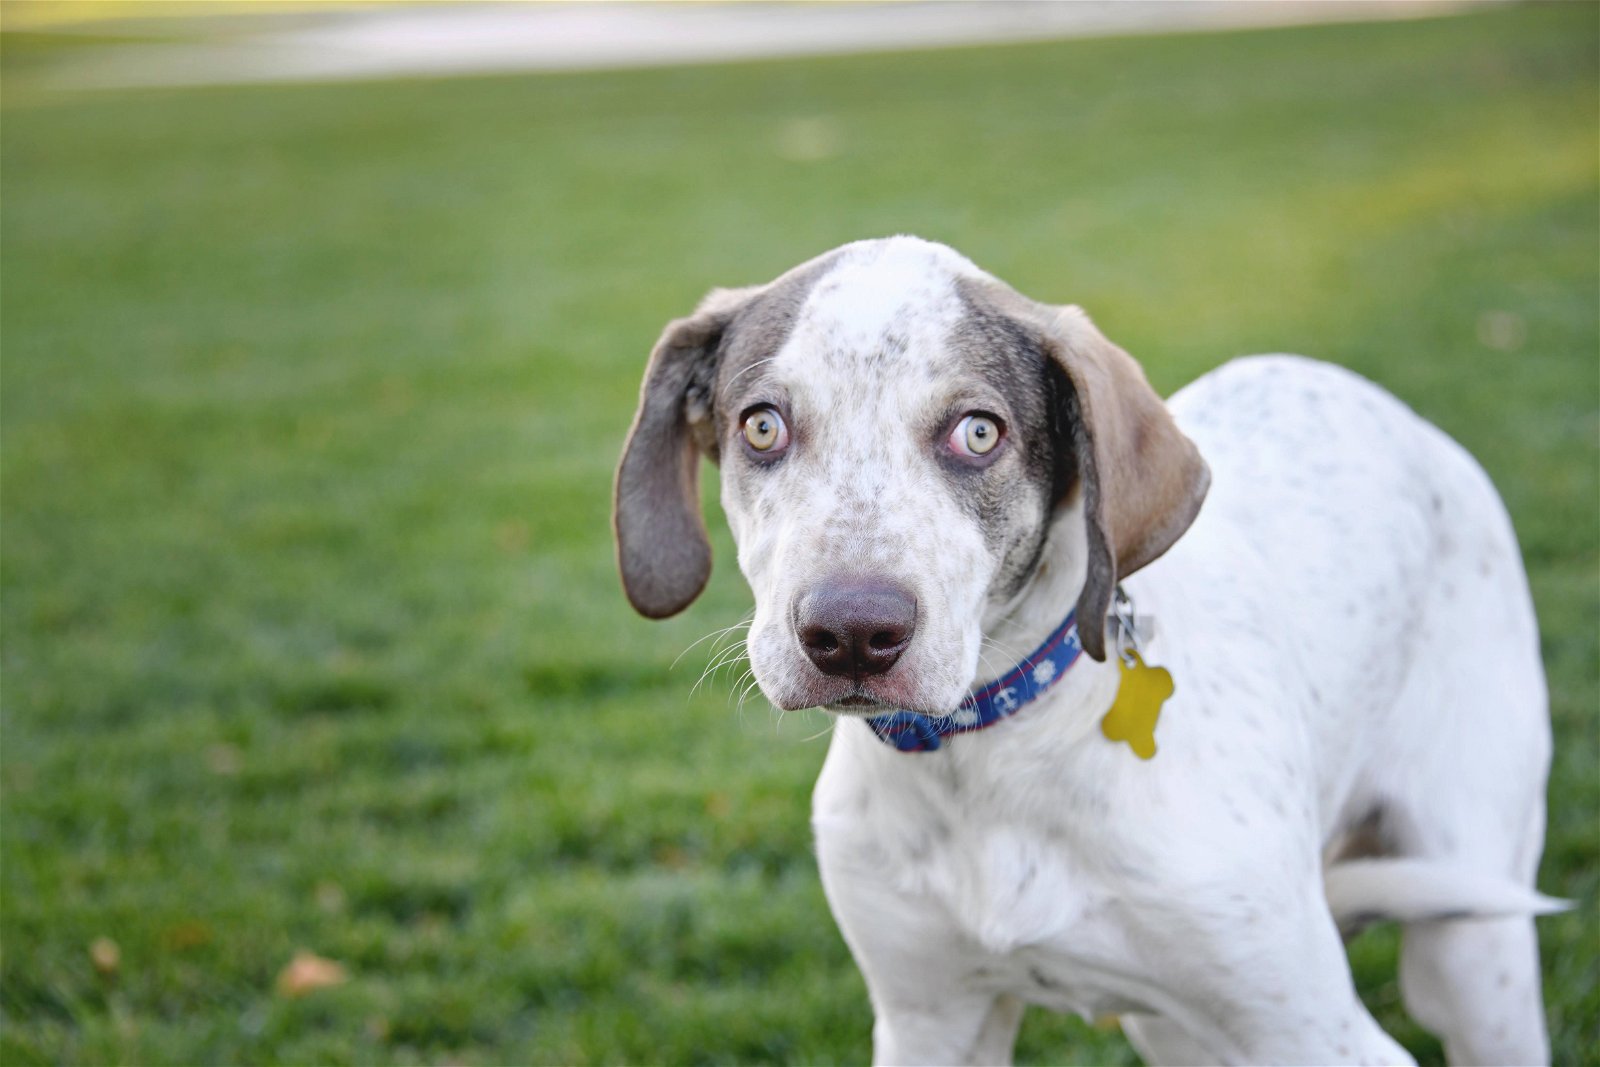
1345, 531
1386, 562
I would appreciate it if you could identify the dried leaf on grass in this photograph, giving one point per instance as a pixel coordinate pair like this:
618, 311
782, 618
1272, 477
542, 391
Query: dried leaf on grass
106, 956
307, 973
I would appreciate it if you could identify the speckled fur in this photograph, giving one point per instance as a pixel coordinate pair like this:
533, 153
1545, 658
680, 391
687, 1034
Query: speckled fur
1347, 623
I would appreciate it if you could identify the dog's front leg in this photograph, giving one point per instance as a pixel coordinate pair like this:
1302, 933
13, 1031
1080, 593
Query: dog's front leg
934, 997
965, 1029
931, 1000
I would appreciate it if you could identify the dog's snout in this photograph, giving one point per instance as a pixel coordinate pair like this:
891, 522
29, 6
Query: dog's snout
856, 627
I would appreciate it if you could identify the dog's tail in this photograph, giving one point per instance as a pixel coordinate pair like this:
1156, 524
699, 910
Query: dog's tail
1365, 891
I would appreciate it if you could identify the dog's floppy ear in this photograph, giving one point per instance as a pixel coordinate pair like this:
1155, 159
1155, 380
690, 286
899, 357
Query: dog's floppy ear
662, 547
1143, 480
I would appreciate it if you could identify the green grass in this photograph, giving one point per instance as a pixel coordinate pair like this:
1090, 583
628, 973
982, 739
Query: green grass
311, 400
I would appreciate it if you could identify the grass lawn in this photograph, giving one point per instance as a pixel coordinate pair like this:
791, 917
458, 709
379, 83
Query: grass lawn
311, 400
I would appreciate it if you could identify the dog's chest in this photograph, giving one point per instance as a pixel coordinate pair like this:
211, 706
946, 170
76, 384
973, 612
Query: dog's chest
1002, 884
1040, 923
1003, 892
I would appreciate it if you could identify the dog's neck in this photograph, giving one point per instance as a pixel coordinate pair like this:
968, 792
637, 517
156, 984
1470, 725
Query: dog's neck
1011, 630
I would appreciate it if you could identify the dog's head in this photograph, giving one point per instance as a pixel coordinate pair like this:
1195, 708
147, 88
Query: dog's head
899, 434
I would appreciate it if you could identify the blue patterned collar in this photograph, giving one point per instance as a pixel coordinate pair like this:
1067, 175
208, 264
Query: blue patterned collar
1000, 699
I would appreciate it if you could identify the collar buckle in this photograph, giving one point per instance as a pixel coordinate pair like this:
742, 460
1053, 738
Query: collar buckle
1125, 639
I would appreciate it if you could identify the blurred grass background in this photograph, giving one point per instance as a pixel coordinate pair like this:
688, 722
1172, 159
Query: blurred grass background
311, 398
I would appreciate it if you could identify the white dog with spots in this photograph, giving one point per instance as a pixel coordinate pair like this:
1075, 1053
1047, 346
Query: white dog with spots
941, 492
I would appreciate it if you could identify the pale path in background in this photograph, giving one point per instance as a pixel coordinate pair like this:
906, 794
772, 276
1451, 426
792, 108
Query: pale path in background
259, 45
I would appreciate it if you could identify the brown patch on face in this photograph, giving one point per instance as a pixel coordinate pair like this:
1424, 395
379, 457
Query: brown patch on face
663, 552
662, 548
756, 334
1143, 481
1013, 499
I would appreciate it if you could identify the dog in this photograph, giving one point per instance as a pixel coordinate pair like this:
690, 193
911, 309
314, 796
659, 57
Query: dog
1138, 705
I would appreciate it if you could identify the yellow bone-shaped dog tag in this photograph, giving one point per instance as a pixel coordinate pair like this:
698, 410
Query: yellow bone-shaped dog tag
1140, 693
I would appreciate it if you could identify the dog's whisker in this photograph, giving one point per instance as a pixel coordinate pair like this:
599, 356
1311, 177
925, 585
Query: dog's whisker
723, 658
828, 724
718, 635
827, 728
740, 683
736, 699
987, 669
698, 682
711, 674
749, 687
731, 654
985, 641
714, 634
708, 673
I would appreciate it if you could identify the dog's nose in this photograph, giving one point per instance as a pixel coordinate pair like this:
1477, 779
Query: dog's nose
855, 627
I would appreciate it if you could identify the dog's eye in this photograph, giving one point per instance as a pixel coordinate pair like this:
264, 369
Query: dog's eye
975, 435
765, 430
